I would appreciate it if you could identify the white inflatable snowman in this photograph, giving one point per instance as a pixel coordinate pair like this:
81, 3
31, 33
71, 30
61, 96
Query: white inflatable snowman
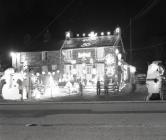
10, 90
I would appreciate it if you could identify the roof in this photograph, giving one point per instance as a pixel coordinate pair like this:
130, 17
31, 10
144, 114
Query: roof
98, 41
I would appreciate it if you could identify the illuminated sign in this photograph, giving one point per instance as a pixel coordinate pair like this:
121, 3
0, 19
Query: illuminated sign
85, 44
83, 55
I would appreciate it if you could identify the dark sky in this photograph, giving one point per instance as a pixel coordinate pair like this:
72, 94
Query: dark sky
26, 21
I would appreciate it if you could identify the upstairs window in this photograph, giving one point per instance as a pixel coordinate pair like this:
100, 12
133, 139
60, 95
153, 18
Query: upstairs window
100, 53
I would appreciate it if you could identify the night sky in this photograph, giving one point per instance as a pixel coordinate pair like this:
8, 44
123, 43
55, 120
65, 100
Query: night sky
25, 24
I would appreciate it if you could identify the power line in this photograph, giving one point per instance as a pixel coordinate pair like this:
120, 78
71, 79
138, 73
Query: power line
55, 18
149, 47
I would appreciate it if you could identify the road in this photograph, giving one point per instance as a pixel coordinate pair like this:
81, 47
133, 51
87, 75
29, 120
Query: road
119, 122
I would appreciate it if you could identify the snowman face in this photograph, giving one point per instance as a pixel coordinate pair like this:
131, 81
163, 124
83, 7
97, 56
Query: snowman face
14, 81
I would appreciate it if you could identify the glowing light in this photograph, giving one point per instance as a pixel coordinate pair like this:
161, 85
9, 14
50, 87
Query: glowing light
12, 54
74, 71
125, 67
83, 34
132, 69
78, 35
116, 51
53, 73
83, 64
68, 35
92, 35
37, 74
43, 72
91, 61
84, 71
117, 30
49, 73
58, 71
119, 63
108, 33
94, 71
110, 71
73, 61
119, 56
102, 33
109, 59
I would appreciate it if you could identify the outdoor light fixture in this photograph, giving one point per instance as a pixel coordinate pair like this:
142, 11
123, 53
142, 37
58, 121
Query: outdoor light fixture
116, 51
102, 33
92, 35
108, 33
119, 56
78, 35
132, 69
43, 72
37, 74
119, 63
53, 73
83, 34
49, 73
117, 30
68, 34
12, 54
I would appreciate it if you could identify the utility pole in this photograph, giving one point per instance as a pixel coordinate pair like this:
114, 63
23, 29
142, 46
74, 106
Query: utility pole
131, 55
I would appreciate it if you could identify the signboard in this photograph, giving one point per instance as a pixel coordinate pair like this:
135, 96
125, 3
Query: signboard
54, 67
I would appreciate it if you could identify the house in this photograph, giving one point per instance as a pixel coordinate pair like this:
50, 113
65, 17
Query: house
94, 57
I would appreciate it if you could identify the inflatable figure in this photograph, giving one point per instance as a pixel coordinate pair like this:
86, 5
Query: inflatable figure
154, 79
10, 90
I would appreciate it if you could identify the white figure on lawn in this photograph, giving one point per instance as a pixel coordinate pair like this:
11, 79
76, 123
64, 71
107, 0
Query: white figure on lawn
10, 90
154, 78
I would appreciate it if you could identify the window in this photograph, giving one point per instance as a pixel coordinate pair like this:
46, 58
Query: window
100, 53
68, 54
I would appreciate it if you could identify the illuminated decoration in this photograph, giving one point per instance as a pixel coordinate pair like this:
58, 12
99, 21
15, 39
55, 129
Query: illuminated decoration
78, 35
73, 61
132, 69
92, 35
53, 73
119, 56
109, 59
74, 71
10, 90
43, 72
84, 71
108, 33
94, 71
12, 54
102, 33
110, 71
83, 34
58, 71
83, 64
84, 55
91, 61
37, 74
116, 51
119, 63
125, 67
86, 44
117, 30
68, 35
49, 73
